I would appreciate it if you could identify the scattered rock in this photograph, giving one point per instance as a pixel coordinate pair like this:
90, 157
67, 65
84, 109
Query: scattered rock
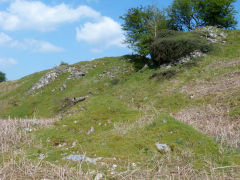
134, 165
64, 86
91, 130
28, 129
74, 144
77, 74
162, 147
98, 176
82, 158
144, 68
114, 166
42, 156
212, 34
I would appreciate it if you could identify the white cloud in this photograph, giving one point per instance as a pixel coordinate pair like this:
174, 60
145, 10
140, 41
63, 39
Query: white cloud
41, 46
28, 44
4, 38
23, 14
105, 32
6, 62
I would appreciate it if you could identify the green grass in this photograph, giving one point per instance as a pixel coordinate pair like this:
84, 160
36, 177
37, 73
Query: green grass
121, 101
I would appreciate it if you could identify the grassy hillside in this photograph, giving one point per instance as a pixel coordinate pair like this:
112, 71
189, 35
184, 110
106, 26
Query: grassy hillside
193, 108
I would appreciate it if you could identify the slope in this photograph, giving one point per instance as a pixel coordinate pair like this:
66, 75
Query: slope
129, 108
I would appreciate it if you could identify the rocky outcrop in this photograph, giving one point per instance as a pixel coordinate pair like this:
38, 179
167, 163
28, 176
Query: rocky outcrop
76, 74
49, 77
212, 34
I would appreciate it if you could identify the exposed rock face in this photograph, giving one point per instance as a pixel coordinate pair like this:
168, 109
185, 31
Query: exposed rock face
76, 73
212, 34
185, 59
50, 77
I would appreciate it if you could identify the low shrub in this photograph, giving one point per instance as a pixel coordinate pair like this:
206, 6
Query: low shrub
170, 46
63, 63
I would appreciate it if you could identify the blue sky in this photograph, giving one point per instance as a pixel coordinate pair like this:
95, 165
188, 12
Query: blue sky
38, 34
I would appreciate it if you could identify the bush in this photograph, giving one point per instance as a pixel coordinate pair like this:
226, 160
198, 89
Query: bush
63, 63
2, 77
169, 46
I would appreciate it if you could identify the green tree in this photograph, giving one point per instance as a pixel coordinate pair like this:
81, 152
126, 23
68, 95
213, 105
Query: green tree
191, 14
141, 25
2, 76
219, 13
185, 15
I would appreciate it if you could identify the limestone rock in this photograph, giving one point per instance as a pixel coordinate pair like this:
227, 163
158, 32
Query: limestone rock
98, 176
162, 147
82, 158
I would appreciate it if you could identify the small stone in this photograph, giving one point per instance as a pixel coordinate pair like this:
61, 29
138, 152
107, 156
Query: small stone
64, 86
74, 144
144, 68
82, 158
134, 165
98, 176
91, 130
162, 147
168, 67
114, 166
28, 129
42, 156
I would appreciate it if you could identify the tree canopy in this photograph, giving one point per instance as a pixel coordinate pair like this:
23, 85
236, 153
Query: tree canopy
141, 25
2, 76
191, 14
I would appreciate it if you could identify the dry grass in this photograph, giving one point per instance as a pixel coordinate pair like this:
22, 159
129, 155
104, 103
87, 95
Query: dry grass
223, 64
221, 84
15, 164
22, 168
172, 167
14, 133
214, 122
